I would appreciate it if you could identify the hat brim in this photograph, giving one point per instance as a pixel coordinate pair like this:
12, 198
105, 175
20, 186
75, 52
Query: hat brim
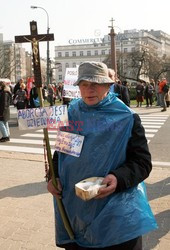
96, 79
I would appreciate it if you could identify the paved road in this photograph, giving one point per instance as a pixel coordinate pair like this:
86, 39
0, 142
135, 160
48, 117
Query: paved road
26, 210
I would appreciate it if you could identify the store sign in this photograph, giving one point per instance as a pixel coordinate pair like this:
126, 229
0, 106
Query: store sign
86, 40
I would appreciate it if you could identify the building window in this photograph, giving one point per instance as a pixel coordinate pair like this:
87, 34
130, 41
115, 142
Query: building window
60, 77
88, 53
81, 53
103, 52
96, 52
66, 54
59, 54
74, 53
125, 50
67, 65
60, 68
133, 49
74, 65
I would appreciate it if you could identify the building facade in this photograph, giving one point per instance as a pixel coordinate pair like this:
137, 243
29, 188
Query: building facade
81, 50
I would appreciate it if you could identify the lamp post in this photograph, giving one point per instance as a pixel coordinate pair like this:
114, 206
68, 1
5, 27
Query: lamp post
48, 52
51, 71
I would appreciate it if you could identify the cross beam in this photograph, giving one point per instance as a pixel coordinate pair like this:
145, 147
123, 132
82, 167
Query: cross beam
35, 38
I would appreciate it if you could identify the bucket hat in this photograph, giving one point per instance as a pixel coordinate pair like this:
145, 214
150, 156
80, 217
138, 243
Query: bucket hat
93, 72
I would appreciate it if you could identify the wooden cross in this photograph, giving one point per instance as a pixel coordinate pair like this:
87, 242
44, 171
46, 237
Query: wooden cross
34, 38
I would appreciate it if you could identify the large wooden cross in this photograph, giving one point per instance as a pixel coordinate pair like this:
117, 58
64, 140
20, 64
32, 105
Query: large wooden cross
35, 38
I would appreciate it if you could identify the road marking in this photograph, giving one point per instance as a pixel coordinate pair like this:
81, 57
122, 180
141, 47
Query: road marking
153, 120
152, 126
38, 135
149, 135
24, 149
151, 130
160, 163
154, 123
27, 141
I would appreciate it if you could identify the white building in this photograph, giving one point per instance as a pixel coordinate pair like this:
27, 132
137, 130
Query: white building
99, 49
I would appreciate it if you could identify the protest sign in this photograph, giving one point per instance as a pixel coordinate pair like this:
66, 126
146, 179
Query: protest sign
69, 143
70, 91
42, 117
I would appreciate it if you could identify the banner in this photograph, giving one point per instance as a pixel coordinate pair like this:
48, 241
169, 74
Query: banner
70, 91
43, 117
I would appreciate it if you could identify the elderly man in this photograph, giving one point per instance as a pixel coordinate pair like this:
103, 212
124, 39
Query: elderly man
114, 148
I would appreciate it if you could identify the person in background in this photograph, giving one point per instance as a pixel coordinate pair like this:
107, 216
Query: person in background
158, 102
5, 100
148, 93
21, 97
162, 94
120, 90
167, 98
50, 97
60, 91
17, 86
115, 148
139, 94
33, 96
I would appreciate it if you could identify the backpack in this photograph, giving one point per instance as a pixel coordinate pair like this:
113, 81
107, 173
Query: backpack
165, 88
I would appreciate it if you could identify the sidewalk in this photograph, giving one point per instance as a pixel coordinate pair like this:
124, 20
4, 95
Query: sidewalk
26, 208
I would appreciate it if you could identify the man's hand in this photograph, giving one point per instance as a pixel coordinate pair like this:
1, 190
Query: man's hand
111, 181
53, 190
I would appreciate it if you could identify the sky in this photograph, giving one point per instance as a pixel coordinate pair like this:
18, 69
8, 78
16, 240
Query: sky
77, 19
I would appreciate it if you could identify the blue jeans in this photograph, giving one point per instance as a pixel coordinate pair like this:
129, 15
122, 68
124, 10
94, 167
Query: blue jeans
162, 99
4, 128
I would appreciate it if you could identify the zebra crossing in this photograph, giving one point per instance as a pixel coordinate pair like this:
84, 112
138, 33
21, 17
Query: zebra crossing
32, 142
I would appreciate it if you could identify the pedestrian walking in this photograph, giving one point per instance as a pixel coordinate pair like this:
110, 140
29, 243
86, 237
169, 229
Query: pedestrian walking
5, 100
158, 101
162, 94
139, 94
21, 97
50, 97
148, 93
115, 148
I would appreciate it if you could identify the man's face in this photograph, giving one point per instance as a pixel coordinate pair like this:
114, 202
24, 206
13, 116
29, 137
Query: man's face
92, 93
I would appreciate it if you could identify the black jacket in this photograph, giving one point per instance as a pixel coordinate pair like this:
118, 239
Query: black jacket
5, 100
123, 93
138, 164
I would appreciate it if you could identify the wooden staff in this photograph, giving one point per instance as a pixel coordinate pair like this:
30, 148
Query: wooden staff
34, 38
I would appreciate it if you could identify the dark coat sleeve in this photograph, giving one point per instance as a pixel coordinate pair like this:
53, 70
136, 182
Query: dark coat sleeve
138, 164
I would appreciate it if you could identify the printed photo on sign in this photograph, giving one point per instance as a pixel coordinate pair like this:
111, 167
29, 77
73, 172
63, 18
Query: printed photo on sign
69, 143
42, 117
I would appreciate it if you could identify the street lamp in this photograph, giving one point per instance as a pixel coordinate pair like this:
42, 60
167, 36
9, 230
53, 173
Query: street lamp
48, 52
57, 65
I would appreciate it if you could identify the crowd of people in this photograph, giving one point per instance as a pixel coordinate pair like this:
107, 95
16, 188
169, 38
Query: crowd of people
151, 92
24, 97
